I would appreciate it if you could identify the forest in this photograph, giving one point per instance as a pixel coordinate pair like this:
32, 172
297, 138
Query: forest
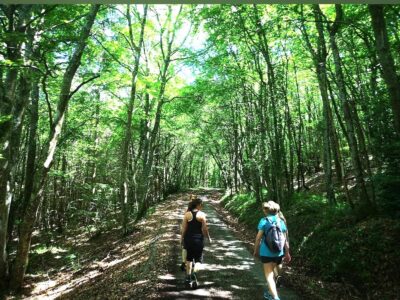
106, 111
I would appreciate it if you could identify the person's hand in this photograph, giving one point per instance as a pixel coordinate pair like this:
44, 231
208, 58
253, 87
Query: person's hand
255, 253
287, 257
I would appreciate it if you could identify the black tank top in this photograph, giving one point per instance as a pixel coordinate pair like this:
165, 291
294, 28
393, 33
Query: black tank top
194, 227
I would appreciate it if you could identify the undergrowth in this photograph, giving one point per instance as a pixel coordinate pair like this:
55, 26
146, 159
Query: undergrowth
329, 242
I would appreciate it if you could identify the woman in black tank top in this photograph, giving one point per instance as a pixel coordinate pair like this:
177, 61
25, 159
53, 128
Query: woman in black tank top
194, 228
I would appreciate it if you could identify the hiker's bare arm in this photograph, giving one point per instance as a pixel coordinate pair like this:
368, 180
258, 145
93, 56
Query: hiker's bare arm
287, 257
204, 227
257, 242
184, 227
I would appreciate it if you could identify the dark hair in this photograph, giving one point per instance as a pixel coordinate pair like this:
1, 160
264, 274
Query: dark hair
195, 202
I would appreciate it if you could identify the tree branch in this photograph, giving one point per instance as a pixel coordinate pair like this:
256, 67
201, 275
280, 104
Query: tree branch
82, 84
125, 66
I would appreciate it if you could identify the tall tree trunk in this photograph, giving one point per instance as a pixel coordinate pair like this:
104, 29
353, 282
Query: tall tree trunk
11, 116
319, 59
386, 60
124, 188
351, 136
277, 141
31, 159
167, 53
27, 225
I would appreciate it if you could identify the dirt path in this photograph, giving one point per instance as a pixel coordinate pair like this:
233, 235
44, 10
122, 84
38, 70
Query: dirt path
145, 264
230, 271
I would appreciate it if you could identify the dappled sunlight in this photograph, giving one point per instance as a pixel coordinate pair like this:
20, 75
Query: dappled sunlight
139, 282
221, 294
126, 265
167, 277
219, 267
228, 272
236, 287
305, 238
44, 285
86, 263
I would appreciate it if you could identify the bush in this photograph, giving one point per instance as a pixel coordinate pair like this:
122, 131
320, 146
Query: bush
245, 207
387, 194
329, 242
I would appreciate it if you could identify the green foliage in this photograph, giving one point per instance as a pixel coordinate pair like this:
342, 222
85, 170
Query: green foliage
129, 276
150, 211
327, 241
387, 182
74, 261
5, 118
245, 207
387, 192
239, 104
42, 248
331, 243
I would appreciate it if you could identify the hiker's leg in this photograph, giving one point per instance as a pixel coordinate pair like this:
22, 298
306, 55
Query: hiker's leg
199, 256
269, 276
277, 270
189, 258
197, 267
184, 255
188, 268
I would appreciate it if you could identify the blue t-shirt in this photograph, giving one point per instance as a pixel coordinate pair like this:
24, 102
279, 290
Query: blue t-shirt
264, 250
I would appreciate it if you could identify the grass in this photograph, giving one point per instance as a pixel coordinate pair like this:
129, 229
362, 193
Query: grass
245, 207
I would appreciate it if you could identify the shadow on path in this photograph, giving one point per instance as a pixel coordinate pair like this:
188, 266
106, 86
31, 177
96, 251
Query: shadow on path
229, 270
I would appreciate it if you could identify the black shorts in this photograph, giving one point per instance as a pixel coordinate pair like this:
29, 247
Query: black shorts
266, 259
194, 247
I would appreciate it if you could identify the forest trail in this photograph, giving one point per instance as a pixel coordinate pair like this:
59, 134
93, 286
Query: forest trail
229, 270
145, 264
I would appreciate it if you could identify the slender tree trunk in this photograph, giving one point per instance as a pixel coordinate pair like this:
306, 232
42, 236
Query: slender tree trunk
319, 59
11, 114
124, 183
277, 146
31, 159
27, 225
167, 52
351, 137
386, 60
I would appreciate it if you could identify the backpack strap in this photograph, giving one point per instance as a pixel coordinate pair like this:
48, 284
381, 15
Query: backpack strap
272, 222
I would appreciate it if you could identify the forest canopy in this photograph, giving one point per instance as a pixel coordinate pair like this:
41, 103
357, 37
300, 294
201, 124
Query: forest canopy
107, 109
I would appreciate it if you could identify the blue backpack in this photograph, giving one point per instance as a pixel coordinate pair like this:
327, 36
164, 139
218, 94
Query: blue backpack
274, 237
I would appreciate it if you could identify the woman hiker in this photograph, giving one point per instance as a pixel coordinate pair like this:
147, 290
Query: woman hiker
184, 252
194, 228
271, 258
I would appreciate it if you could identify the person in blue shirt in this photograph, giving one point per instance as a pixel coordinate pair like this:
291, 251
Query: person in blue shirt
269, 258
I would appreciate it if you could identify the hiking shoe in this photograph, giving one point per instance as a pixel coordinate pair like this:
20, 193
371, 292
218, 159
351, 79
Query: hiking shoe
183, 267
194, 278
267, 295
188, 281
193, 284
193, 281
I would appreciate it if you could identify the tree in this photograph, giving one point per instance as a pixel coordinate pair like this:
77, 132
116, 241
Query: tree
319, 59
26, 228
386, 60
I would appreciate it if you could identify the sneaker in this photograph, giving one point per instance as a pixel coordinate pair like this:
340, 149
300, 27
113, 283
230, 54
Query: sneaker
183, 267
188, 281
194, 276
267, 295
195, 283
